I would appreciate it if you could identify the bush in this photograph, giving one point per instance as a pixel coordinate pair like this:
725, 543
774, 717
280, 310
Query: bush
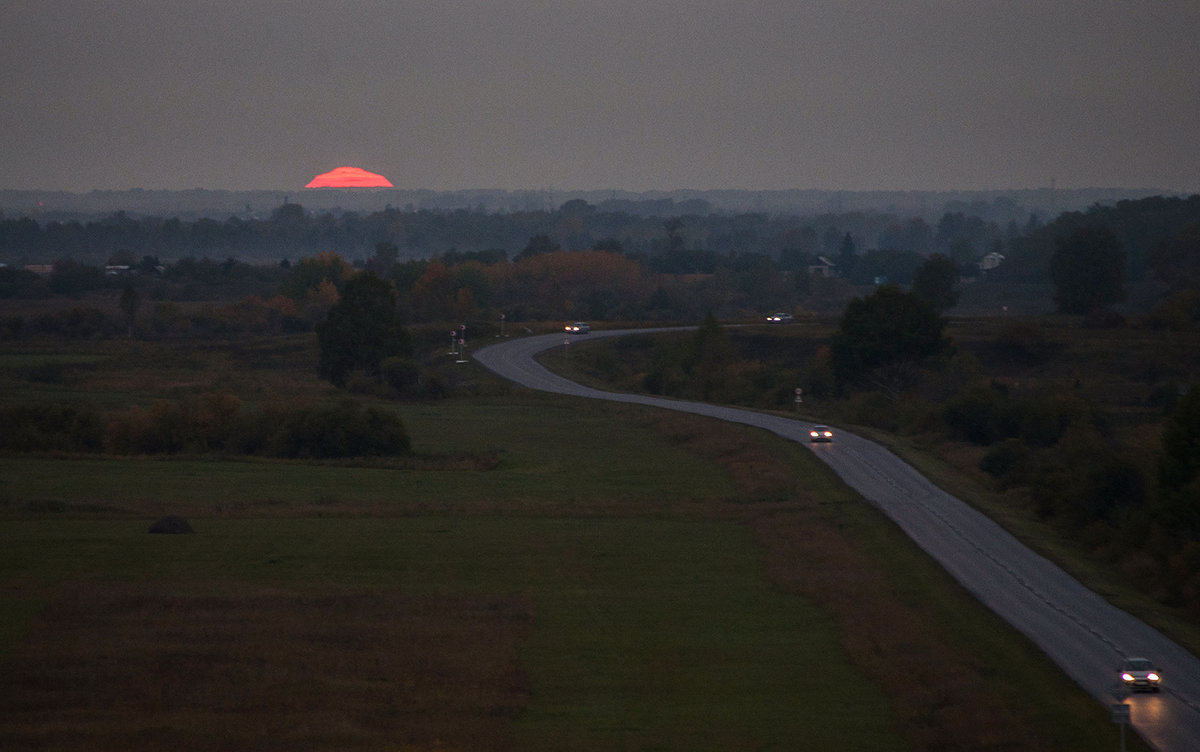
982, 415
401, 374
1009, 462
345, 429
1044, 418
51, 427
1024, 342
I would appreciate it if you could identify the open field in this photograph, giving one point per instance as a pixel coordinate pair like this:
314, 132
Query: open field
543, 574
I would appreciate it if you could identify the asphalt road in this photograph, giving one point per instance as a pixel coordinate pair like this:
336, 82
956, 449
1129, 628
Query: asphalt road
1079, 630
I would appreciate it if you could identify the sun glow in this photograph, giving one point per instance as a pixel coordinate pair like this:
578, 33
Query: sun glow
349, 177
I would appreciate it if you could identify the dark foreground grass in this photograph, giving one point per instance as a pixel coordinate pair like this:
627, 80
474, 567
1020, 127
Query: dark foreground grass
639, 634
650, 581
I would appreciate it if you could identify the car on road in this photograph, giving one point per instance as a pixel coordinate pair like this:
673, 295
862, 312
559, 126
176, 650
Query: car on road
1140, 675
579, 327
779, 318
820, 434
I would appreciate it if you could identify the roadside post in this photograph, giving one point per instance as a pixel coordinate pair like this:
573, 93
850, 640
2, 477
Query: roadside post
1119, 710
799, 397
1120, 716
502, 325
462, 341
453, 341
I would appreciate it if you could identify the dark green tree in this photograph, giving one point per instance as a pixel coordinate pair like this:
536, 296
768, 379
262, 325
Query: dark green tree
1176, 260
386, 255
847, 256
1179, 464
1088, 270
934, 281
713, 355
538, 245
883, 337
361, 330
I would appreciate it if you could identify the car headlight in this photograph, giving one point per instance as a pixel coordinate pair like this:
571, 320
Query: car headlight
1127, 677
1152, 676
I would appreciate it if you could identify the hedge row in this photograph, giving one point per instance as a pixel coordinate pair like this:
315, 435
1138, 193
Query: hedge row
216, 422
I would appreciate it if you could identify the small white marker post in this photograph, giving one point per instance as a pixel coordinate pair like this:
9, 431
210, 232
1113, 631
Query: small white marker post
502, 325
1119, 710
462, 340
1120, 716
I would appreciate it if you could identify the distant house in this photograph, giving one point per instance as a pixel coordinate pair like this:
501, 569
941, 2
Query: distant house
991, 261
823, 268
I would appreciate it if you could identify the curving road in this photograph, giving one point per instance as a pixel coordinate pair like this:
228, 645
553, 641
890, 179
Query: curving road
1079, 630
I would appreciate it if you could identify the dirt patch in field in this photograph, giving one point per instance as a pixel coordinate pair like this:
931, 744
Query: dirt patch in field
136, 667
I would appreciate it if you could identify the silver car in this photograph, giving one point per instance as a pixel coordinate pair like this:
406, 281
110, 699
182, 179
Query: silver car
1140, 675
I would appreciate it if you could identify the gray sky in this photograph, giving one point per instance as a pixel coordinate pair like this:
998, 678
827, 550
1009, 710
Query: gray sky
597, 94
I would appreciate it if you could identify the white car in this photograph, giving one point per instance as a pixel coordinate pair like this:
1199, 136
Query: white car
820, 434
578, 327
1140, 675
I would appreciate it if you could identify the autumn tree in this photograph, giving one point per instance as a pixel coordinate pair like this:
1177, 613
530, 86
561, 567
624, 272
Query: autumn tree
304, 278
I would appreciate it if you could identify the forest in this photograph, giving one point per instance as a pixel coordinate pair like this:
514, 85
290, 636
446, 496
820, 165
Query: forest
581, 263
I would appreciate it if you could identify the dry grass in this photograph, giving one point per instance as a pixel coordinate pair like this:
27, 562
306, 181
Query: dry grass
138, 667
941, 700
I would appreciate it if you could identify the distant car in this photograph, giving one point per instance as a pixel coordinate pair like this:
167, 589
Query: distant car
779, 318
820, 434
1140, 675
578, 327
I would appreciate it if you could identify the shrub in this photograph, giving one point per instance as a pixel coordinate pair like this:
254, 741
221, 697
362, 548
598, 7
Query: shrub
51, 427
346, 429
981, 415
1009, 462
1044, 418
1025, 343
401, 374
161, 428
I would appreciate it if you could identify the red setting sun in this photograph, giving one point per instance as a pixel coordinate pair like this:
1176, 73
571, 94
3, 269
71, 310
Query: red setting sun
349, 177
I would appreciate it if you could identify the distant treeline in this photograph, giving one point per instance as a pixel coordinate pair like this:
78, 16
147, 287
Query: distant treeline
577, 262
292, 232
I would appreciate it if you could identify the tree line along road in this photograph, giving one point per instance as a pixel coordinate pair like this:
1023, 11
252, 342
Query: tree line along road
1084, 634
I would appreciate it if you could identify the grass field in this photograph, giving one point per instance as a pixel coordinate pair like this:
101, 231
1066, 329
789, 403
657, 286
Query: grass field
544, 574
